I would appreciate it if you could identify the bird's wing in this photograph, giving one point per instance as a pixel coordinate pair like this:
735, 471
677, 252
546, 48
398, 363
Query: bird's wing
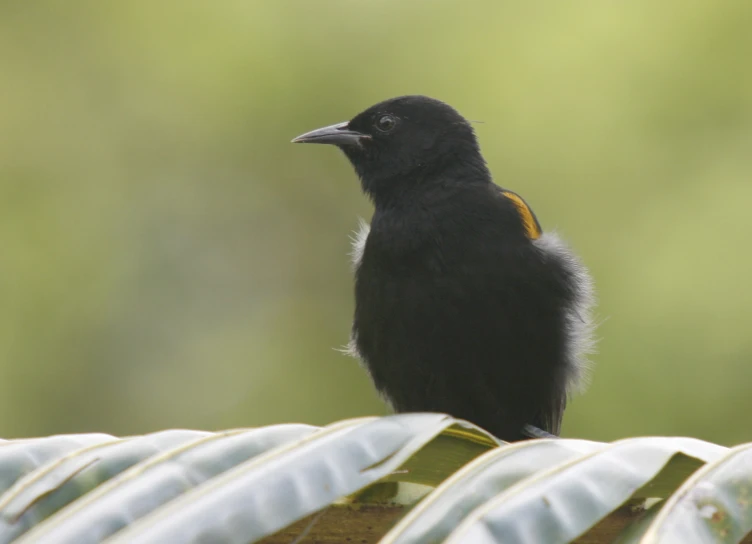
530, 222
548, 419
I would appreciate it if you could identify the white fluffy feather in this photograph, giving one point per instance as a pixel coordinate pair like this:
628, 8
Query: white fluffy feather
359, 242
580, 324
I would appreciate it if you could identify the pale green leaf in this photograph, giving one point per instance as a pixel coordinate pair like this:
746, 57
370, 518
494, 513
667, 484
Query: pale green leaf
440, 512
47, 489
714, 505
260, 497
157, 480
558, 505
19, 457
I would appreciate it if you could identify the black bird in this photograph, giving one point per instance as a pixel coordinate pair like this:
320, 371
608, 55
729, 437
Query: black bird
463, 305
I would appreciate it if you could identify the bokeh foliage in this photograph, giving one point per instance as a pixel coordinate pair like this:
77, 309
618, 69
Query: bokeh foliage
170, 260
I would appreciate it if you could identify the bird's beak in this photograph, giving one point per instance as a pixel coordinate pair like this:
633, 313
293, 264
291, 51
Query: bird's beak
339, 134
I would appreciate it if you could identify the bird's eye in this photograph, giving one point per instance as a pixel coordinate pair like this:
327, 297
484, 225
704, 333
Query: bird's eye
386, 123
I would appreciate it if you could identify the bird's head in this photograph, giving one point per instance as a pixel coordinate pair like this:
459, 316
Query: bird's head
404, 143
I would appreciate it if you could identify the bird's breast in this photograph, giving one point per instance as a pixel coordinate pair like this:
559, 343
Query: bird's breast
398, 253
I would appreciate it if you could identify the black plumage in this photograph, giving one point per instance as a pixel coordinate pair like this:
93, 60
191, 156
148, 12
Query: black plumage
462, 304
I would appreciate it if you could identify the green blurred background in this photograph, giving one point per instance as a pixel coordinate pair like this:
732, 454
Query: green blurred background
168, 259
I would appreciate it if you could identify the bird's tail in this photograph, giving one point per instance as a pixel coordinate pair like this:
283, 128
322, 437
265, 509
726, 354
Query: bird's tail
531, 431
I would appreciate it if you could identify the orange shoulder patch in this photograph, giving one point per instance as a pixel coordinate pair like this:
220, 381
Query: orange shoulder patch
532, 228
